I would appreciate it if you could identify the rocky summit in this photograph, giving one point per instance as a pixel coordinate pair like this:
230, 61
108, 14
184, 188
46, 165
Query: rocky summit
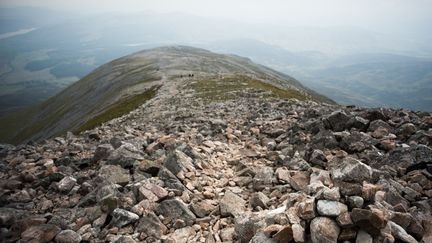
188, 166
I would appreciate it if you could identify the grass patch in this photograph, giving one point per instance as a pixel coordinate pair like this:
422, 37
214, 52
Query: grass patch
119, 109
220, 89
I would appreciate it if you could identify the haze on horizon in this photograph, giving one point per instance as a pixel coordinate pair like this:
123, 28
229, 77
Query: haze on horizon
398, 17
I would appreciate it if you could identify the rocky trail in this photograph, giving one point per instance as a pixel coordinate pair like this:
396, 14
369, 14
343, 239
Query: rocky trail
182, 169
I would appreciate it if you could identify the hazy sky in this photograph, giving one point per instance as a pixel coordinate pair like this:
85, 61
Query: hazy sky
377, 15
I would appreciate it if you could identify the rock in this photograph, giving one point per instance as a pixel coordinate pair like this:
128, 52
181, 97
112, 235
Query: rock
347, 234
318, 158
285, 234
299, 180
246, 226
170, 180
357, 142
331, 194
298, 233
178, 163
352, 170
306, 208
399, 233
337, 121
371, 222
121, 217
355, 202
114, 174
406, 130
227, 234
40, 233
358, 123
151, 226
363, 237
202, 208
331, 208
173, 209
151, 192
283, 175
68, 236
262, 238
66, 184
125, 156
259, 199
103, 151
183, 235
263, 178
324, 230
344, 220
231, 205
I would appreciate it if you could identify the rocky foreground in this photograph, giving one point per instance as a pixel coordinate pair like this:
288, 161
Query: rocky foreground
248, 170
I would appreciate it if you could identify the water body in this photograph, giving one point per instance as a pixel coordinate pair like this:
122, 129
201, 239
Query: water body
15, 33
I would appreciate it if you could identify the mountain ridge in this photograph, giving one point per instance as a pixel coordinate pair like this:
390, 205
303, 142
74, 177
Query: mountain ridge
140, 73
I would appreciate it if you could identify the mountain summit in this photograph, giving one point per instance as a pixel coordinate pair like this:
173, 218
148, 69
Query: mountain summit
183, 145
161, 73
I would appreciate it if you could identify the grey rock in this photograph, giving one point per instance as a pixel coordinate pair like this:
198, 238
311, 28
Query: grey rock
125, 156
232, 205
178, 162
121, 217
263, 178
363, 237
355, 201
352, 170
337, 121
66, 184
103, 151
151, 226
261, 238
202, 208
331, 208
173, 209
259, 199
114, 174
400, 233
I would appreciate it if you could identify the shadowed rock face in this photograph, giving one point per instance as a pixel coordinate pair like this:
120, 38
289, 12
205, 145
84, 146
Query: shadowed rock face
122, 85
194, 164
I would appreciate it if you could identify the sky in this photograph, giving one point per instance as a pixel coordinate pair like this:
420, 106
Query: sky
362, 13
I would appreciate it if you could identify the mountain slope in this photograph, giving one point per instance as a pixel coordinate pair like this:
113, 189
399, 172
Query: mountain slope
124, 84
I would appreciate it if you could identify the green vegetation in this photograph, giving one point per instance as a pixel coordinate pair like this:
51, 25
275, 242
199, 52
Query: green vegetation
119, 109
70, 70
219, 89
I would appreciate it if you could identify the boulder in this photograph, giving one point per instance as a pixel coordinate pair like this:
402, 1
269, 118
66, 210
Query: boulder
125, 156
173, 209
331, 208
114, 174
337, 121
231, 205
352, 170
324, 230
370, 221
